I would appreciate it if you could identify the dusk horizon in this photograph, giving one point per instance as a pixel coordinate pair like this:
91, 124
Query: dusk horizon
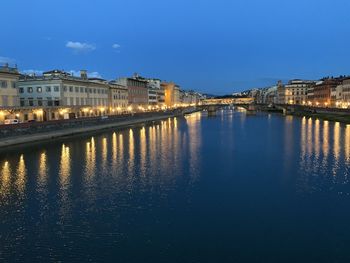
214, 47
175, 131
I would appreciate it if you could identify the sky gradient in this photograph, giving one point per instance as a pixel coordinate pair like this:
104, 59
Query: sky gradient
218, 47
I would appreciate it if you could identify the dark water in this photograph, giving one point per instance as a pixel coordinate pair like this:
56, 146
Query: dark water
233, 188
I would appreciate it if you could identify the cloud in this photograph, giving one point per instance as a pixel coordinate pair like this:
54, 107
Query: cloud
7, 60
116, 46
80, 47
32, 72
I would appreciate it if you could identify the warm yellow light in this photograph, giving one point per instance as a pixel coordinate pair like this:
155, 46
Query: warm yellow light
119, 109
63, 111
85, 110
39, 112
102, 109
129, 108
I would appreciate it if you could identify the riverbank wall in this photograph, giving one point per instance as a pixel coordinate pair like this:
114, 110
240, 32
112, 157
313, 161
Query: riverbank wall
33, 133
330, 114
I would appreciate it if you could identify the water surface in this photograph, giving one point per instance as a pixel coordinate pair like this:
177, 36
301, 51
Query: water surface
230, 188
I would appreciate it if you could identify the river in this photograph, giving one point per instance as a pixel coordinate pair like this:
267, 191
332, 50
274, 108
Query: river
228, 188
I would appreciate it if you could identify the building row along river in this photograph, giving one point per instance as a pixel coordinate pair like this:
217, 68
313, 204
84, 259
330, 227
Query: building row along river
58, 94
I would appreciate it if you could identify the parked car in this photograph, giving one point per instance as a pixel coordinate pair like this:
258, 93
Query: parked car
11, 121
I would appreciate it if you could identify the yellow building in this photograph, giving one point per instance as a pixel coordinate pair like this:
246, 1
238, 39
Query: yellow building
8, 86
172, 94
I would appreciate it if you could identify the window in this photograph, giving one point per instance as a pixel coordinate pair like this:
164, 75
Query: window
39, 89
30, 100
81, 89
21, 102
48, 89
70, 89
56, 88
64, 88
40, 101
21, 90
3, 84
49, 101
13, 84
30, 90
76, 89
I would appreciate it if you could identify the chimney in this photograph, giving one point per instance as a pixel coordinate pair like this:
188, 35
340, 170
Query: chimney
83, 74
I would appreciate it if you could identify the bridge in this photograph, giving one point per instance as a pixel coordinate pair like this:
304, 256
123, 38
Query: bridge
212, 105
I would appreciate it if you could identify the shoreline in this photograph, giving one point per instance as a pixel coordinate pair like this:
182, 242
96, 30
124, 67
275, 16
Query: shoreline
12, 143
324, 115
345, 119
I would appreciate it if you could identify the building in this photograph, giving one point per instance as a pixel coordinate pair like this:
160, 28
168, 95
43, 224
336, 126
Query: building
341, 96
118, 97
189, 98
138, 95
8, 86
322, 92
172, 94
295, 92
59, 95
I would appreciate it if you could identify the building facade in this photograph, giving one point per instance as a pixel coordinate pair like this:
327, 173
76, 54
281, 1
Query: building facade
118, 97
322, 92
341, 96
60, 95
138, 95
295, 92
8, 86
172, 94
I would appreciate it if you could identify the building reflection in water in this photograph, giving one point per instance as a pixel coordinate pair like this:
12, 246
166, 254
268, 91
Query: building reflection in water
336, 147
114, 152
104, 152
64, 176
21, 175
131, 157
5, 180
42, 170
143, 146
288, 142
347, 144
120, 150
90, 159
317, 140
194, 139
65, 163
323, 149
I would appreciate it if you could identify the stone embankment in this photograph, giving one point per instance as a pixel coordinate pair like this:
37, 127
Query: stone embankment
33, 133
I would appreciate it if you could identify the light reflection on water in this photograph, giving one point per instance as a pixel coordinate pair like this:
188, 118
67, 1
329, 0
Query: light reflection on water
324, 148
101, 184
324, 151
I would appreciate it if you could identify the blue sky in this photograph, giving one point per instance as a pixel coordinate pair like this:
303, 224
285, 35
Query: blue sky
217, 46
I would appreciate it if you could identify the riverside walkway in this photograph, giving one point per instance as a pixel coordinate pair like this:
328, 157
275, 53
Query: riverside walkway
104, 124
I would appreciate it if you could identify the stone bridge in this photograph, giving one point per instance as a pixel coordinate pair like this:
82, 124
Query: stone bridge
211, 108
